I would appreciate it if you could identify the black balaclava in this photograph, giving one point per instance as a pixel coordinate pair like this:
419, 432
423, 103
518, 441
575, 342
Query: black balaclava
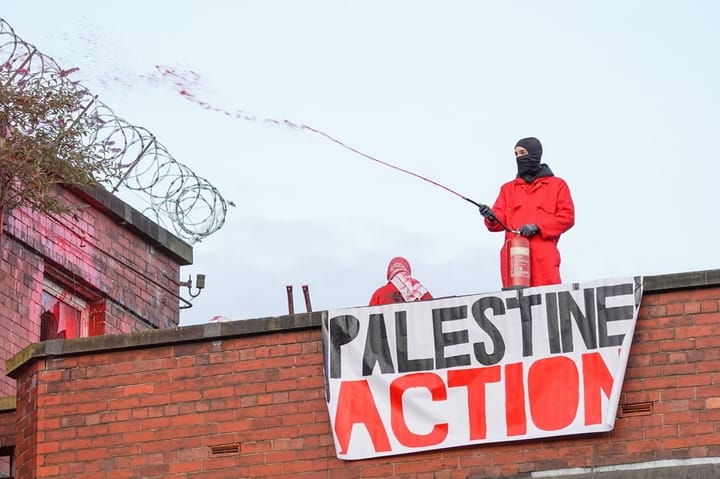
529, 166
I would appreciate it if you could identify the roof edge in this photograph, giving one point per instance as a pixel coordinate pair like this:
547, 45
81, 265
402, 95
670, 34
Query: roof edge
247, 327
166, 336
127, 216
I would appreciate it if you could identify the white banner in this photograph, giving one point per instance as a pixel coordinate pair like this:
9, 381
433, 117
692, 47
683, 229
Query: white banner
504, 366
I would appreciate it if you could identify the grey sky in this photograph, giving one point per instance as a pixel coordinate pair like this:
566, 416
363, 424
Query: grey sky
622, 94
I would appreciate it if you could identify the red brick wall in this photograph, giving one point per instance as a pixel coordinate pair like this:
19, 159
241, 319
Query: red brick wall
20, 290
95, 253
7, 435
252, 406
28, 450
7, 429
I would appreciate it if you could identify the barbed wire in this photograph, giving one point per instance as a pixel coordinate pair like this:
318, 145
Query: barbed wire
176, 197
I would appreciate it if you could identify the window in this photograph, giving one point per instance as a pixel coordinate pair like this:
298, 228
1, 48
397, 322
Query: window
65, 315
6, 462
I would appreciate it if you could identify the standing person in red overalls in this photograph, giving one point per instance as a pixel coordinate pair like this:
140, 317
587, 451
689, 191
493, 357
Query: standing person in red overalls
401, 287
537, 204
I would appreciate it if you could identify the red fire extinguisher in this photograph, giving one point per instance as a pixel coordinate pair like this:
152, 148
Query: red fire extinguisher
518, 261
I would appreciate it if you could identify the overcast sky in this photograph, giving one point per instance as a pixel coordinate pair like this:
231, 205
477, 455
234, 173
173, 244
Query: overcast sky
623, 94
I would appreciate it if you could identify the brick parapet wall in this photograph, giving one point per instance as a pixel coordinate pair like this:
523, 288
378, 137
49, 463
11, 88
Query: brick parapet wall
245, 399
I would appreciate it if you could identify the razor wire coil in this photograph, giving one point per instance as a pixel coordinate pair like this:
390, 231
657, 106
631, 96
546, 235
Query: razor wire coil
175, 197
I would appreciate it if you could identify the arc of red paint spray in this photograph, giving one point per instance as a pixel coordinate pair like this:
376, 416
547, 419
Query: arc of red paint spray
185, 80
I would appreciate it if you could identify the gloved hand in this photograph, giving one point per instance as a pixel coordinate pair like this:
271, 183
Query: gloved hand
487, 212
529, 230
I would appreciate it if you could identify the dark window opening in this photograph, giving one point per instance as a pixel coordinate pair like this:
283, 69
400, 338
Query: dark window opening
59, 319
66, 315
7, 466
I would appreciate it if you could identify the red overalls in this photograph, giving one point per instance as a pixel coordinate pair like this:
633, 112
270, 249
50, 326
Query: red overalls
547, 203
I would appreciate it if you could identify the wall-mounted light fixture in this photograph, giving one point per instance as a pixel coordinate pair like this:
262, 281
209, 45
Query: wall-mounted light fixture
199, 283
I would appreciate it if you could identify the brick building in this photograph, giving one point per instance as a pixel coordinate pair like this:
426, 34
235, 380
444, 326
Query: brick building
245, 399
103, 269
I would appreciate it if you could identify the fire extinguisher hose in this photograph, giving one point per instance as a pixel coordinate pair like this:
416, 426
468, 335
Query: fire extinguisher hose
390, 165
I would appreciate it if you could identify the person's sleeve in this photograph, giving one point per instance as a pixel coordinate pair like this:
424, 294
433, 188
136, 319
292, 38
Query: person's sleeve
378, 297
564, 217
499, 211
